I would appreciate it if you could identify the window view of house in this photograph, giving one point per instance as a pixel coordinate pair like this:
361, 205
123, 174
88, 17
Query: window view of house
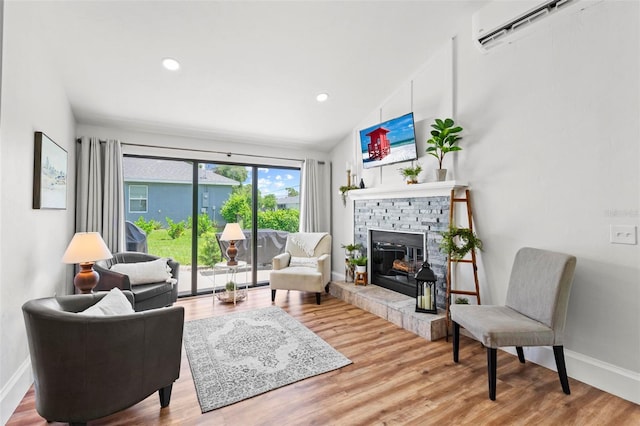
161, 201
138, 195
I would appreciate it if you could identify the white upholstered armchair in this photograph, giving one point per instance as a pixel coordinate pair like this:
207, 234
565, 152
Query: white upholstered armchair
305, 264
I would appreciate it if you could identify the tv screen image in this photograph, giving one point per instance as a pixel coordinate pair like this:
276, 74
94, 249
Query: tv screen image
391, 141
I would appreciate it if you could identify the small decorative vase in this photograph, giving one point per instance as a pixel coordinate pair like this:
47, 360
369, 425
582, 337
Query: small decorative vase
441, 175
361, 183
412, 181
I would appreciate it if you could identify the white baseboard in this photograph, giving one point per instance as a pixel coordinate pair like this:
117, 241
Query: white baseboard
15, 389
602, 375
336, 276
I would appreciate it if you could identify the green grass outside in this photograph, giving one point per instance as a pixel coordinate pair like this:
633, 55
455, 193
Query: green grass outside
159, 243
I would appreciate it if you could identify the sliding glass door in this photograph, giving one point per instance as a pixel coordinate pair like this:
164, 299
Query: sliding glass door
278, 214
158, 197
224, 197
183, 206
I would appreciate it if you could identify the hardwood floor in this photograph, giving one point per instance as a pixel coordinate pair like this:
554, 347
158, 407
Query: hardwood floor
396, 378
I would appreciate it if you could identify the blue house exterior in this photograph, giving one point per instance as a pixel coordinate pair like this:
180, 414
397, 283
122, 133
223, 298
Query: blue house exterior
156, 189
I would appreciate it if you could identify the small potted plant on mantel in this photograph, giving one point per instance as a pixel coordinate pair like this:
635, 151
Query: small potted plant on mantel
411, 173
343, 192
444, 139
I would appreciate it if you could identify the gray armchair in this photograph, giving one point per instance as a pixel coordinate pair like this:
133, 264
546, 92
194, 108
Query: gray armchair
87, 367
534, 314
147, 296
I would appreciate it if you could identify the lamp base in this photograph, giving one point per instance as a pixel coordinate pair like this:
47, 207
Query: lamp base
232, 252
86, 280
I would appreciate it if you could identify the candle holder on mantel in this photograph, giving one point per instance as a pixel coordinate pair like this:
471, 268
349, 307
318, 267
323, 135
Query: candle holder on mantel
426, 290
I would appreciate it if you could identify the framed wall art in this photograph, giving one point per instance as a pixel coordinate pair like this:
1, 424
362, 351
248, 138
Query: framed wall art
49, 174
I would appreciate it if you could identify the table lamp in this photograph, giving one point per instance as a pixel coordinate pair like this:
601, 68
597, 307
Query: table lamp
85, 248
232, 233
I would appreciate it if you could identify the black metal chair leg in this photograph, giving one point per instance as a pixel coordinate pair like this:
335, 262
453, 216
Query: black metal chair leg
318, 298
273, 295
492, 361
558, 353
456, 340
520, 354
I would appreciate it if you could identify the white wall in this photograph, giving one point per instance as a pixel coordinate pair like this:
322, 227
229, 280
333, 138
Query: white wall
551, 153
32, 241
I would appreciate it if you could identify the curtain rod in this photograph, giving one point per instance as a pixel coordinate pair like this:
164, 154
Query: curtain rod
227, 153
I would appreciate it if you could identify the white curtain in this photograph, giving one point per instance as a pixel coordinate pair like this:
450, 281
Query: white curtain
314, 197
99, 191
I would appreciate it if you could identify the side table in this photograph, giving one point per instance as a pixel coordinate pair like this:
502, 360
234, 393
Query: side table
231, 271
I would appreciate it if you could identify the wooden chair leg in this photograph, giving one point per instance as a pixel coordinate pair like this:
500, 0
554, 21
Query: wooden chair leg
558, 353
456, 340
273, 295
492, 364
318, 297
520, 354
165, 395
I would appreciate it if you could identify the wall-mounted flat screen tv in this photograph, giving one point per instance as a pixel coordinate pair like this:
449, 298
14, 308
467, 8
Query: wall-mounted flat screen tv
389, 142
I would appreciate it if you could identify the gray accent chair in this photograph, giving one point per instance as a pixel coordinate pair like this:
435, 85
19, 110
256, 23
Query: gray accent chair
283, 276
88, 367
534, 313
147, 296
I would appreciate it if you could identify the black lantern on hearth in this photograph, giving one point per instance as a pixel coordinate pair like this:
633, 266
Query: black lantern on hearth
426, 290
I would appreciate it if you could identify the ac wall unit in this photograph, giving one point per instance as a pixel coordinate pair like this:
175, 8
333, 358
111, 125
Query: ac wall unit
504, 21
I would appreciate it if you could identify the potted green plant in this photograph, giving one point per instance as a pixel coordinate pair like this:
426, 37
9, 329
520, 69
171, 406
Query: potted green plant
466, 237
350, 249
343, 192
230, 286
411, 173
360, 263
444, 139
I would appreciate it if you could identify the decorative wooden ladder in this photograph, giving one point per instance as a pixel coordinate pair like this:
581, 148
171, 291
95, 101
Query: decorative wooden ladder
467, 200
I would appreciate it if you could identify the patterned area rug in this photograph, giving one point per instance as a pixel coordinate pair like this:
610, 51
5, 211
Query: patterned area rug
240, 355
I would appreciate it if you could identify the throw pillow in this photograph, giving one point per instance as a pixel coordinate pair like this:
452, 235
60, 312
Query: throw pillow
309, 262
114, 303
145, 272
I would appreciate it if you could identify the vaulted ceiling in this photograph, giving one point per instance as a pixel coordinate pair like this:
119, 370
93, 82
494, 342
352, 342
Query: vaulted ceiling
250, 70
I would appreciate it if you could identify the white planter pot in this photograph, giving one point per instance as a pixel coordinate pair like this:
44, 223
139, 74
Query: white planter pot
361, 268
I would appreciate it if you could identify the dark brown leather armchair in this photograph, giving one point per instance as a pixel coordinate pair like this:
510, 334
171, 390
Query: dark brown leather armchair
87, 367
147, 296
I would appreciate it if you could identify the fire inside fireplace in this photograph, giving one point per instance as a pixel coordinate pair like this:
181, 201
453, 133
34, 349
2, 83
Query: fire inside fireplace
395, 258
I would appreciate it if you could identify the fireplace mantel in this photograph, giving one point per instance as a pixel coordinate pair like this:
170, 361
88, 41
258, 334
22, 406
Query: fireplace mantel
429, 189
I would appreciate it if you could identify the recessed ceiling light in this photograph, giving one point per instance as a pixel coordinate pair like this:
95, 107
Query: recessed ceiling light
322, 97
171, 64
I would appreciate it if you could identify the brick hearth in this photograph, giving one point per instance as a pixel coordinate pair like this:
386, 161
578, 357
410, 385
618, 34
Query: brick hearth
392, 306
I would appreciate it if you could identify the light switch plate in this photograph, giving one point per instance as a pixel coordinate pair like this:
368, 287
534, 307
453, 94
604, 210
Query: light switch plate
623, 234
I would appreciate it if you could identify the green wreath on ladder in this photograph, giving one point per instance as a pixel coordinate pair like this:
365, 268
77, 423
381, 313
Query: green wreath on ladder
466, 237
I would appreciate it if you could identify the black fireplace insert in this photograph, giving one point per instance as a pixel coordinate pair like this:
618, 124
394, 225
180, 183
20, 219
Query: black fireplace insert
395, 258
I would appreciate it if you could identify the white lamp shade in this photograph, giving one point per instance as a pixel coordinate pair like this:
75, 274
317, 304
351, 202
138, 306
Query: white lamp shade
232, 232
86, 247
